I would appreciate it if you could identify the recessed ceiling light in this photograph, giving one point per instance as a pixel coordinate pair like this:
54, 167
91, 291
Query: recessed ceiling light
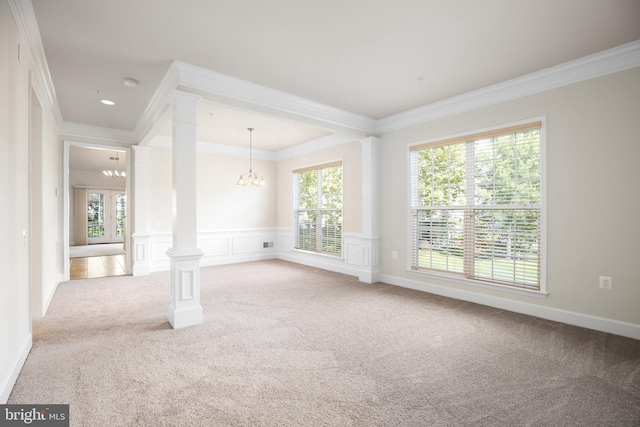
130, 82
107, 102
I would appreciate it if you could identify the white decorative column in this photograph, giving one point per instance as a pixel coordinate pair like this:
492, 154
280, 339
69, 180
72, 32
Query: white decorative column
139, 252
370, 236
184, 309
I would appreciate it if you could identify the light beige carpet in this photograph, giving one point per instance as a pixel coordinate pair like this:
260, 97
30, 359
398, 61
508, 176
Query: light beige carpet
289, 345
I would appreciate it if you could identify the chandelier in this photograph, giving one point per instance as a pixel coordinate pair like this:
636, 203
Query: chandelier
115, 173
250, 178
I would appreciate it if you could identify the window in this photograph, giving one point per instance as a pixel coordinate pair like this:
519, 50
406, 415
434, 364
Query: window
317, 208
121, 203
476, 206
106, 211
95, 214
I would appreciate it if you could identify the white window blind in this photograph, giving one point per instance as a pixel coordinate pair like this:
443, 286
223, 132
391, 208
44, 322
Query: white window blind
476, 206
317, 208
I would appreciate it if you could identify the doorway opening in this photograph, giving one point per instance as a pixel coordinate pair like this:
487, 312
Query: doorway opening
96, 233
103, 255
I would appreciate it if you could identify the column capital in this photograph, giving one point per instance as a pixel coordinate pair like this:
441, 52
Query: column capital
180, 95
140, 154
370, 146
184, 107
370, 139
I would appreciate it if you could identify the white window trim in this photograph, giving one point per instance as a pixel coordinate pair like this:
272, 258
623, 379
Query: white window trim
453, 277
317, 165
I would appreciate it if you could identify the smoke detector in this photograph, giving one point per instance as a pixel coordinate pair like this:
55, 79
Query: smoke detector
129, 82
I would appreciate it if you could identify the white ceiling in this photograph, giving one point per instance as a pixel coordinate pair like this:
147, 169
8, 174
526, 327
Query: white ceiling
96, 159
228, 126
374, 58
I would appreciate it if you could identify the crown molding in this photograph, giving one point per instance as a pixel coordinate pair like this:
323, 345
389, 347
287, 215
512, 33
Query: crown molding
230, 150
227, 89
27, 24
69, 130
163, 141
156, 110
610, 61
315, 145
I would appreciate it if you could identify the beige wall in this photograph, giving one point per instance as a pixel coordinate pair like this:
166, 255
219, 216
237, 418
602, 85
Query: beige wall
15, 321
52, 198
159, 206
220, 204
224, 206
15, 115
350, 153
593, 146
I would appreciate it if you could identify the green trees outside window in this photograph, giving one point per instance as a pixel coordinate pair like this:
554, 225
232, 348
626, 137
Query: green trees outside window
95, 215
121, 204
317, 211
476, 206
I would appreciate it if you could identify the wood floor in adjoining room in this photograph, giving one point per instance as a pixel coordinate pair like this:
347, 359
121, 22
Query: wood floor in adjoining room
99, 266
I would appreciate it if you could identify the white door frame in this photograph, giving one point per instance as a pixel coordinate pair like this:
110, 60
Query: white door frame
66, 198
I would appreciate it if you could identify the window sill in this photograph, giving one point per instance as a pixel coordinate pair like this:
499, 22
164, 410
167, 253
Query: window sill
478, 283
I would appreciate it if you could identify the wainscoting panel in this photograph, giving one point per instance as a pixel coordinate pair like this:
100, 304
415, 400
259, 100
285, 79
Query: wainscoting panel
350, 263
214, 246
219, 247
354, 253
246, 245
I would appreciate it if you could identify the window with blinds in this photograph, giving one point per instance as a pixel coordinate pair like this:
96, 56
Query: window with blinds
317, 209
476, 206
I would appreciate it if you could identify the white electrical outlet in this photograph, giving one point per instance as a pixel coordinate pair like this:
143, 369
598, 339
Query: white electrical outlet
605, 282
394, 255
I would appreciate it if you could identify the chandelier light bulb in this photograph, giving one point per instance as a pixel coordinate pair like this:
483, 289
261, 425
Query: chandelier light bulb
115, 173
252, 179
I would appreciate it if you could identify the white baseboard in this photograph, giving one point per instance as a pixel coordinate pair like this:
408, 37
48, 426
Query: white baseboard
7, 385
50, 296
318, 261
140, 270
601, 324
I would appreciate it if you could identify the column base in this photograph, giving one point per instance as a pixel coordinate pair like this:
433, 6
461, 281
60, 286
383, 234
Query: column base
369, 276
139, 254
184, 309
370, 269
184, 317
